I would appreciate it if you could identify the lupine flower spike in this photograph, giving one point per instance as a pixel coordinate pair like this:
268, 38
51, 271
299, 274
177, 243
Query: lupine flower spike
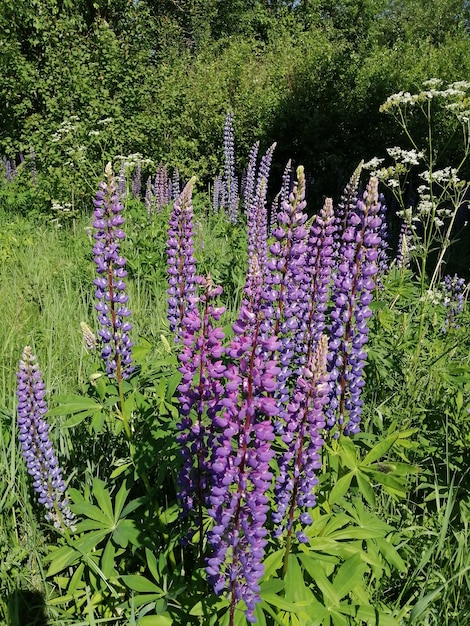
351, 295
181, 261
113, 313
36, 445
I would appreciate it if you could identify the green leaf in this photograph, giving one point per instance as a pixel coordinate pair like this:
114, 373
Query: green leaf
75, 404
141, 584
391, 555
366, 488
349, 575
120, 500
317, 573
126, 531
103, 498
60, 559
348, 453
295, 589
155, 620
340, 488
379, 449
280, 603
107, 560
93, 512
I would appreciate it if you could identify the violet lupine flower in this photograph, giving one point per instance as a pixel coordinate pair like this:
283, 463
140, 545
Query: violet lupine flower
122, 181
298, 465
250, 180
283, 284
217, 194
175, 184
113, 313
351, 295
318, 269
137, 180
404, 246
36, 445
229, 169
346, 204
282, 195
162, 188
454, 288
199, 394
149, 202
181, 261
243, 432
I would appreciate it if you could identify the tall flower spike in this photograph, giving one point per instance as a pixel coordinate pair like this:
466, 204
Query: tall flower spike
299, 464
351, 295
250, 179
112, 311
181, 261
229, 169
243, 432
36, 445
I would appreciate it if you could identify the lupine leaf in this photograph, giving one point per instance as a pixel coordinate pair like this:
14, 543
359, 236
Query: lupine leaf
103, 498
74, 404
61, 558
340, 488
141, 584
379, 449
349, 575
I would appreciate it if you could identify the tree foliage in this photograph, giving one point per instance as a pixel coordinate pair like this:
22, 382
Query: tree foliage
309, 74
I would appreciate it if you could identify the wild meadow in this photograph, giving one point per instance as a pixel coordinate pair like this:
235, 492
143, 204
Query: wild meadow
222, 407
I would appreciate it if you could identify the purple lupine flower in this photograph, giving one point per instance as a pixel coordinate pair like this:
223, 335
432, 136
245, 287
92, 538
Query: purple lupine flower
122, 186
137, 180
243, 432
351, 295
282, 195
162, 188
175, 184
113, 313
404, 246
229, 169
346, 204
36, 444
199, 394
454, 289
249, 188
318, 269
284, 284
149, 201
299, 463
181, 261
217, 194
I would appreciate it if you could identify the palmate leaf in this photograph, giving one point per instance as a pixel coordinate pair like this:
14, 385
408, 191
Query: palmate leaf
74, 404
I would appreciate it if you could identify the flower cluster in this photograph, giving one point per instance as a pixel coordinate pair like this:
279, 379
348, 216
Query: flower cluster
454, 289
299, 464
230, 181
351, 295
243, 432
36, 445
112, 311
181, 261
199, 392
